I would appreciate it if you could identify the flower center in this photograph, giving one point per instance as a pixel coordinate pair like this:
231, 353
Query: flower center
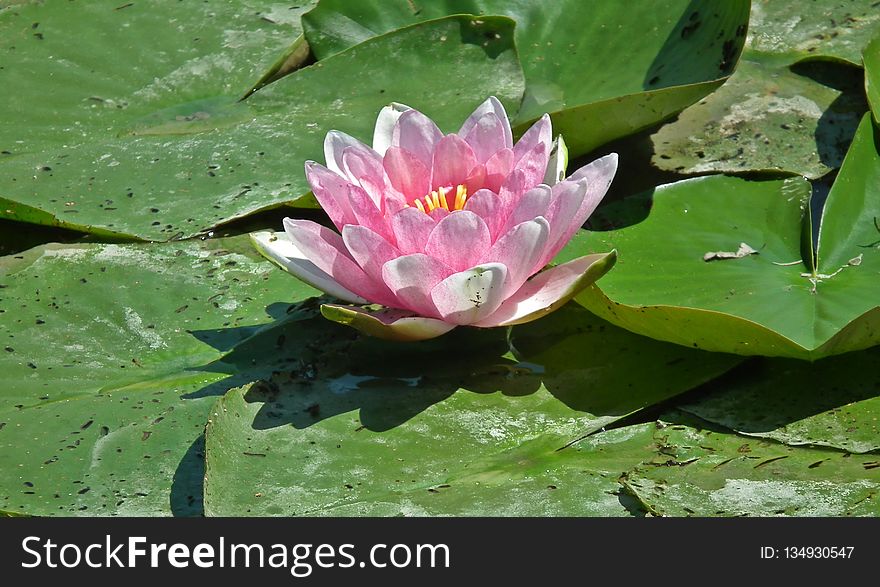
437, 199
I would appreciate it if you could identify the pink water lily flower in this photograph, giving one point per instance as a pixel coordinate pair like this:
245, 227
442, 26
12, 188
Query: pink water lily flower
444, 229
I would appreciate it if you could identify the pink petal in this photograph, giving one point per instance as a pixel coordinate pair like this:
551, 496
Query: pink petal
452, 163
412, 228
487, 136
567, 199
393, 201
494, 107
498, 167
407, 173
367, 214
534, 203
385, 122
469, 296
388, 324
325, 249
459, 240
519, 250
549, 290
598, 176
512, 190
370, 250
277, 247
335, 144
418, 134
364, 168
438, 214
540, 133
331, 191
412, 277
476, 179
487, 205
533, 164
601, 170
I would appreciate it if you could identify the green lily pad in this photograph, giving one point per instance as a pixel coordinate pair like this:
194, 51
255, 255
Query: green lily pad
585, 362
356, 472
164, 150
834, 30
767, 118
872, 76
834, 402
467, 424
74, 86
100, 343
684, 275
779, 113
685, 50
698, 472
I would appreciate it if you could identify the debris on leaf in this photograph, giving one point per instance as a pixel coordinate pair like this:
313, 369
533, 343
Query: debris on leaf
744, 250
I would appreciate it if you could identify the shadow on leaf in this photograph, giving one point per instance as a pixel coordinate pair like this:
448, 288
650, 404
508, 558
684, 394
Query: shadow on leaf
833, 402
597, 368
307, 369
837, 125
685, 46
187, 486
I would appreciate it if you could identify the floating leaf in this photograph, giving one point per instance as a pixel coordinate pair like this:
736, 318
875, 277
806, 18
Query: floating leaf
835, 30
767, 118
685, 50
453, 426
778, 112
164, 150
774, 303
100, 343
696, 472
834, 402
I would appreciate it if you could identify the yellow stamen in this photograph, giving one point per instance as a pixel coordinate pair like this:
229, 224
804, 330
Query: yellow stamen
437, 199
460, 196
443, 192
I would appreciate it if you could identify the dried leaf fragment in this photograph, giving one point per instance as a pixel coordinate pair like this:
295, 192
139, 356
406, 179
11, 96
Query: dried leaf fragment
744, 250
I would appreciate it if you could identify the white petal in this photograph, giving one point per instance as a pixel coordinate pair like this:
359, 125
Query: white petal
334, 144
276, 247
388, 324
385, 126
471, 295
